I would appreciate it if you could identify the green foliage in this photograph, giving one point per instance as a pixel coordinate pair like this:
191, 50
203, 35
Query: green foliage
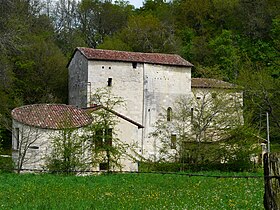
241, 150
226, 55
6, 164
146, 34
67, 154
130, 191
261, 92
106, 147
100, 19
209, 133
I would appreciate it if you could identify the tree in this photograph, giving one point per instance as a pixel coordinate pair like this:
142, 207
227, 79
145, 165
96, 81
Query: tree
66, 21
23, 138
226, 55
96, 144
99, 19
106, 148
145, 33
68, 152
254, 18
40, 72
261, 91
201, 127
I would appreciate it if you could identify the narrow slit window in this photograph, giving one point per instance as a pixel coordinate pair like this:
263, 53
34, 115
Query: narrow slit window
191, 115
134, 65
109, 136
169, 113
110, 80
98, 138
33, 147
173, 141
16, 146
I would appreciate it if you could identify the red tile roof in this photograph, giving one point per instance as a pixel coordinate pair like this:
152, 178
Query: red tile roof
210, 83
51, 116
152, 58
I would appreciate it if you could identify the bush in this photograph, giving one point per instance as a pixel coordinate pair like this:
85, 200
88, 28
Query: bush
6, 164
233, 166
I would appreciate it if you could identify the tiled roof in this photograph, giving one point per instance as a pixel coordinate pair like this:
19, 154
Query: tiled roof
97, 107
51, 116
152, 58
210, 83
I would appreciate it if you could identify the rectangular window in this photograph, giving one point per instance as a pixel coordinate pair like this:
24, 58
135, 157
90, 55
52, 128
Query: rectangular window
16, 146
134, 65
109, 136
98, 139
173, 141
103, 166
110, 82
103, 138
191, 115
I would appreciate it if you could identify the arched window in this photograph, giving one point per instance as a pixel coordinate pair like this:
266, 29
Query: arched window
169, 113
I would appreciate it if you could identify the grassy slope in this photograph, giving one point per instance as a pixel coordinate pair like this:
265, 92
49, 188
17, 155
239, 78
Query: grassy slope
128, 191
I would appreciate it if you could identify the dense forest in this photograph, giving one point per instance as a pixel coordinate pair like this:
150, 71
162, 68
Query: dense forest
234, 40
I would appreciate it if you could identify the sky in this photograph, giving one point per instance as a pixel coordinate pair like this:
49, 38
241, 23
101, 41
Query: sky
136, 3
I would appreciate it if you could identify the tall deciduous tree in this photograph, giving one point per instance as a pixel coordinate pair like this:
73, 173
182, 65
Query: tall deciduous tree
99, 19
106, 148
146, 34
226, 54
262, 95
68, 152
201, 127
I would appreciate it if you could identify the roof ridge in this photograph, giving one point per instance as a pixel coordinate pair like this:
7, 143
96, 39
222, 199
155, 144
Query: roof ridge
127, 56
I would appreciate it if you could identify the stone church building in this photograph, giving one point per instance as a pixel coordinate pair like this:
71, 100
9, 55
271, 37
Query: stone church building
148, 82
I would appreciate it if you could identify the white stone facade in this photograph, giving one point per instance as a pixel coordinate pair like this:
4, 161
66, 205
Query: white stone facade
147, 88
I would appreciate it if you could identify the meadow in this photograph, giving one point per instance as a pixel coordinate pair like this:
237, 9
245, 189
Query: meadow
128, 191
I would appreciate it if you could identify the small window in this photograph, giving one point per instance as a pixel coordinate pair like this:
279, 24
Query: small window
109, 136
134, 65
16, 146
110, 82
173, 141
98, 139
103, 166
214, 95
102, 67
169, 113
109, 67
191, 115
198, 97
33, 147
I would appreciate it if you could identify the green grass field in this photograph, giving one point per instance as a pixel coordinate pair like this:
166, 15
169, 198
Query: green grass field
128, 191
